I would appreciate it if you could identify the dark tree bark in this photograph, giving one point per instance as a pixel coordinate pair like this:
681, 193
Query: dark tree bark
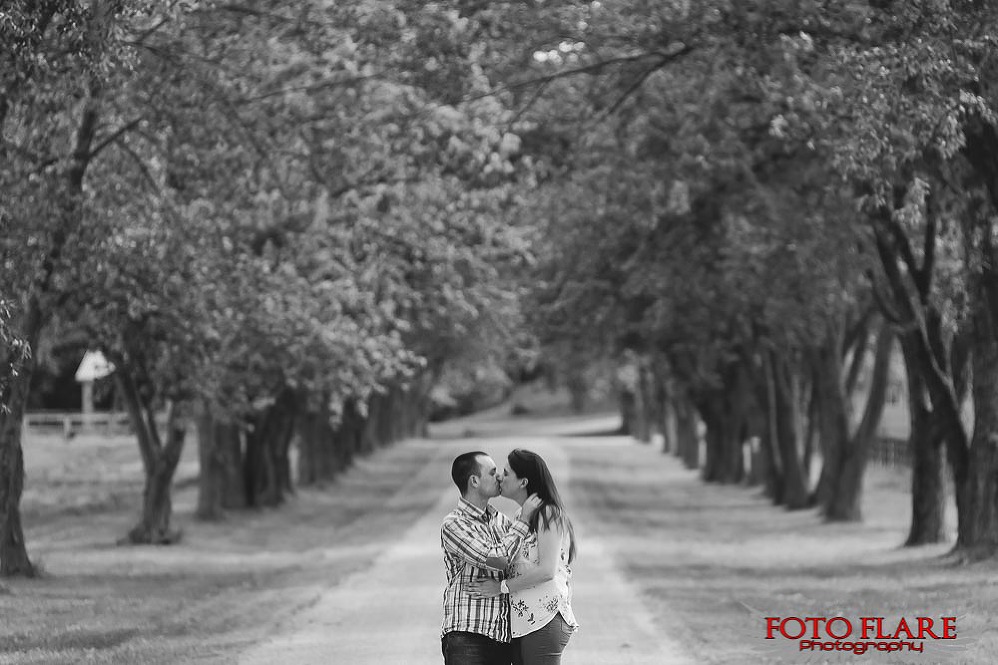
664, 418
211, 476
723, 411
943, 382
760, 422
14, 559
267, 470
159, 458
812, 431
326, 448
369, 433
756, 438
644, 407
975, 470
231, 449
578, 390
710, 411
785, 410
846, 452
688, 447
928, 468
220, 482
628, 415
316, 456
977, 533
349, 436
741, 404
769, 448
157, 504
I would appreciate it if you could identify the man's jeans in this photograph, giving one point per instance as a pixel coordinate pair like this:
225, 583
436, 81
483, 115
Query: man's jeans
461, 648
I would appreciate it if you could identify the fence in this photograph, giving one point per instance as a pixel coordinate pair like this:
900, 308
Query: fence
70, 424
890, 451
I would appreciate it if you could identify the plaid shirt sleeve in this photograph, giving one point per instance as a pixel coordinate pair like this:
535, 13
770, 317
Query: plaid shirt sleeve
471, 541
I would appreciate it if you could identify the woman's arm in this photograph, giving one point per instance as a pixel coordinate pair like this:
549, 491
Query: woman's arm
549, 552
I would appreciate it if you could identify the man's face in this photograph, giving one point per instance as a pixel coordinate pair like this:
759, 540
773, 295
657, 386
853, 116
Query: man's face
488, 477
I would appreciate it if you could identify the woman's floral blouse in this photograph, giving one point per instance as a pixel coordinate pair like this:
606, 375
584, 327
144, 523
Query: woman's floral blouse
532, 608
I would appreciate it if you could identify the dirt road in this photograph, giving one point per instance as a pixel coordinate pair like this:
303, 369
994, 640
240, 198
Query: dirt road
389, 614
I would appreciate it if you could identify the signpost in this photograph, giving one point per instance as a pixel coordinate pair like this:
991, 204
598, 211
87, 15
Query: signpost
93, 366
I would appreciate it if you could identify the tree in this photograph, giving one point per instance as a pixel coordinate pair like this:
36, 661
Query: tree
57, 51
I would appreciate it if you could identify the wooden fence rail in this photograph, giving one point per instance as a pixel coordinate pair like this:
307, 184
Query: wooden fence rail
69, 424
890, 451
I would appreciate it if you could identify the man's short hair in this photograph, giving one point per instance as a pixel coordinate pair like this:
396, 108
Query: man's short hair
464, 467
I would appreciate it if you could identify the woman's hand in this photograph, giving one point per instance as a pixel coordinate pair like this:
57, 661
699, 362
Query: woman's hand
483, 588
530, 506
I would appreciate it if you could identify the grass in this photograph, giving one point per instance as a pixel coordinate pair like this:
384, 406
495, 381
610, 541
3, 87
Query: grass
208, 597
715, 560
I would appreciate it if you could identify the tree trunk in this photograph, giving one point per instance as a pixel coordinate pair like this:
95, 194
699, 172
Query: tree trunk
349, 436
645, 412
721, 411
229, 439
220, 483
14, 559
812, 430
628, 415
794, 495
578, 391
211, 476
770, 471
663, 420
978, 529
740, 405
157, 506
928, 468
712, 415
396, 418
754, 430
323, 450
844, 501
315, 449
369, 441
688, 447
941, 381
267, 468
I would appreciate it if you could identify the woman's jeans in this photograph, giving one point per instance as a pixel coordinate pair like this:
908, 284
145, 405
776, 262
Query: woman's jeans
544, 646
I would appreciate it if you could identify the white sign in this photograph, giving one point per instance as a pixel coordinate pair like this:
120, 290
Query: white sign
93, 366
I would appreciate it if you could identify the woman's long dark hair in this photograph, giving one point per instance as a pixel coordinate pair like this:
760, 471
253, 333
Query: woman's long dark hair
530, 465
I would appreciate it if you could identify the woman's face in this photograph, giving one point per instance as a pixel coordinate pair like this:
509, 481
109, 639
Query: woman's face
511, 484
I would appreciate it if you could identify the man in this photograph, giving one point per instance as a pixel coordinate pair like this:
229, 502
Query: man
478, 541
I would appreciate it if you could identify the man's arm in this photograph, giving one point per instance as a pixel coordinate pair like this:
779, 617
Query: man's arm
514, 531
472, 543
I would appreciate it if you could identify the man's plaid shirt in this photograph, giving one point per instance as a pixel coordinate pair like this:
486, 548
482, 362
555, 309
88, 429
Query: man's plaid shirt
469, 536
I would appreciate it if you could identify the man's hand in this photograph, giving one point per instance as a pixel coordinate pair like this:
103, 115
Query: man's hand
530, 506
483, 588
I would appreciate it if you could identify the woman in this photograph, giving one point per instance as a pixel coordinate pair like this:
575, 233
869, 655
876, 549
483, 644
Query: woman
539, 580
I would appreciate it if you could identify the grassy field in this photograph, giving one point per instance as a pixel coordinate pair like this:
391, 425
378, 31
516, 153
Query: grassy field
206, 598
715, 560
